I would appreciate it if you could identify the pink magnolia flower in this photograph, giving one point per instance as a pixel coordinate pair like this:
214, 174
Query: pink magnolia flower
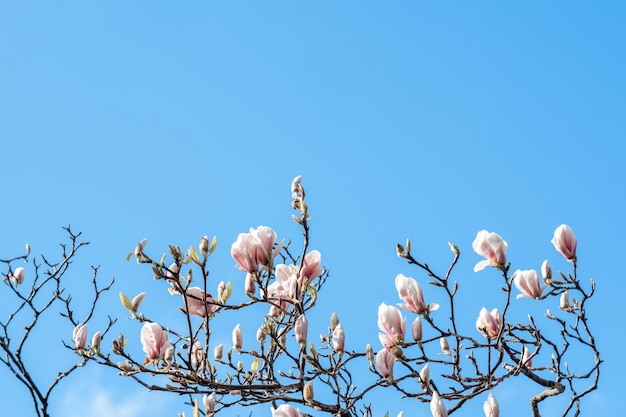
492, 247
255, 248
339, 338
528, 283
301, 328
385, 361
410, 291
489, 323
18, 276
491, 407
79, 336
286, 410
196, 306
565, 242
311, 266
154, 340
390, 321
437, 408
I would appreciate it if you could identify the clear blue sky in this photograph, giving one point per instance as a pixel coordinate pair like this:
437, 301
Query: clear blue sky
406, 119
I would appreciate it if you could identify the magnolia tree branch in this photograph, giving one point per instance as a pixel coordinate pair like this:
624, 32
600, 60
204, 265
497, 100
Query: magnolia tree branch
30, 304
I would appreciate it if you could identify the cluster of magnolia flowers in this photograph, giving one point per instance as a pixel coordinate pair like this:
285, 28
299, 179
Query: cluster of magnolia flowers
489, 323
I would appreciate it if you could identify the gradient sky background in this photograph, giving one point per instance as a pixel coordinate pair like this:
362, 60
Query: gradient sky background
406, 119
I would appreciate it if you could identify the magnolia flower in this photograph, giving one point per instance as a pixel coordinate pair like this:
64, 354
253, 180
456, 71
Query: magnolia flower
410, 292
384, 362
424, 377
301, 329
492, 247
527, 359
198, 302
237, 338
564, 301
391, 322
491, 407
18, 276
209, 402
311, 266
79, 336
436, 406
489, 323
565, 242
286, 410
255, 248
154, 340
95, 343
416, 329
339, 338
528, 283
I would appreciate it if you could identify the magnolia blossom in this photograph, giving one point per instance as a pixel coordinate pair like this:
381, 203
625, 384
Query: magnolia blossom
565, 242
437, 408
249, 285
390, 321
528, 283
492, 247
410, 292
137, 300
491, 407
564, 301
311, 267
139, 250
384, 362
154, 340
218, 351
18, 276
209, 402
445, 345
546, 271
301, 329
255, 248
339, 338
489, 323
198, 302
416, 329
237, 338
286, 410
286, 284
79, 336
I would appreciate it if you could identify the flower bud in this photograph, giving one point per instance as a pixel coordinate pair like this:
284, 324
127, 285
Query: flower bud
237, 338
339, 338
204, 246
209, 402
546, 272
250, 284
437, 408
79, 336
445, 346
565, 242
18, 276
136, 302
260, 334
416, 329
491, 407
95, 343
301, 329
425, 377
168, 356
218, 352
307, 392
334, 321
370, 353
527, 360
564, 302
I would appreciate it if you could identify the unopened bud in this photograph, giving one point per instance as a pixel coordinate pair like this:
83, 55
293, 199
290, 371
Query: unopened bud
370, 354
218, 351
445, 346
250, 284
260, 334
237, 338
546, 272
95, 343
204, 246
416, 329
425, 377
564, 303
334, 321
169, 355
307, 392
136, 302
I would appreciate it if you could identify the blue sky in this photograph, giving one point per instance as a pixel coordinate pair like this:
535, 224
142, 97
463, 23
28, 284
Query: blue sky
411, 119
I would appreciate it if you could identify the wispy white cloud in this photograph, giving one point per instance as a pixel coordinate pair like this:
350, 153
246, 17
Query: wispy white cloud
93, 396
